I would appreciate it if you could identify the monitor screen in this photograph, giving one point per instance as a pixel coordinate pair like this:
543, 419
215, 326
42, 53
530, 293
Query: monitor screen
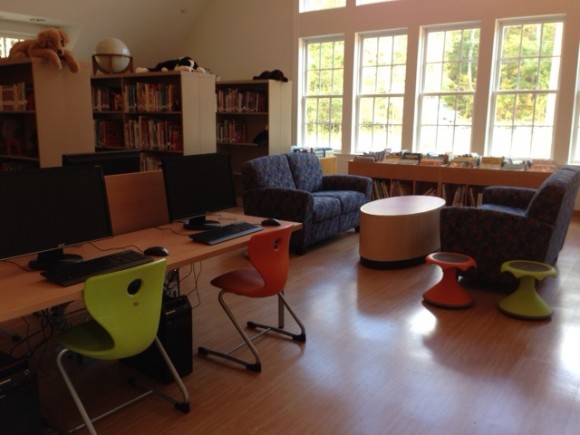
45, 210
196, 185
113, 162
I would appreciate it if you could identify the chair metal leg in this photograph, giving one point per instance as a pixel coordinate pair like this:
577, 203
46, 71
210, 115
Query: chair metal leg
255, 366
283, 303
74, 394
184, 405
88, 422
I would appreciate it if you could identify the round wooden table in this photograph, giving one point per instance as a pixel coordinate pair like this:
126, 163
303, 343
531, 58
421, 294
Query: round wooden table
399, 231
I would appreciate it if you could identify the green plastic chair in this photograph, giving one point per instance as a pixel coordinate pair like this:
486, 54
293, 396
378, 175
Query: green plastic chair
525, 301
125, 308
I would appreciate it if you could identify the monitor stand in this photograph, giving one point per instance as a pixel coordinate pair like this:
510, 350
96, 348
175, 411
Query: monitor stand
201, 223
46, 260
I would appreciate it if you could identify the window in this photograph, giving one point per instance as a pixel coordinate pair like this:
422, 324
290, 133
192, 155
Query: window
381, 89
525, 89
6, 44
317, 5
447, 91
368, 2
575, 154
322, 93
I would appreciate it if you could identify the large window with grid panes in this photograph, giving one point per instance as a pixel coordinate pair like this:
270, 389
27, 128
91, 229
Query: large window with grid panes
525, 87
447, 89
380, 93
321, 92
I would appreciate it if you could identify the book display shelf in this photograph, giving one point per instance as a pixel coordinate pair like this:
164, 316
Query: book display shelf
44, 113
157, 113
253, 120
458, 186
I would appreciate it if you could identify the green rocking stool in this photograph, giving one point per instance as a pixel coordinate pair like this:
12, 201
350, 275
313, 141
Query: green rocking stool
525, 301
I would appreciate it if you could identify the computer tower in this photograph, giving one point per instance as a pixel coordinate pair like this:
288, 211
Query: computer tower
19, 403
176, 336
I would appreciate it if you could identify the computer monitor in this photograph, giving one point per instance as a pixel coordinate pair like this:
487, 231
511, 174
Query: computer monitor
45, 210
113, 162
196, 185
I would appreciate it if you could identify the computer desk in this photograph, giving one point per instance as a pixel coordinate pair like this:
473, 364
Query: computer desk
24, 292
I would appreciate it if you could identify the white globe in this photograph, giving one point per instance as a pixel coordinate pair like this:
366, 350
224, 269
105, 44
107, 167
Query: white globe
112, 55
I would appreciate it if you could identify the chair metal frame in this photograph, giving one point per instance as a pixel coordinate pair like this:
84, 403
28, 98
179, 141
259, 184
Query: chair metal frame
133, 275
269, 254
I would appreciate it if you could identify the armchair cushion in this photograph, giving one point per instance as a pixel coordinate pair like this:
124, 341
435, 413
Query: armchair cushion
325, 205
512, 224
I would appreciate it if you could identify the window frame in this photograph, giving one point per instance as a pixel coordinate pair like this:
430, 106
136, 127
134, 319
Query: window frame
304, 96
421, 93
359, 95
495, 80
305, 5
574, 156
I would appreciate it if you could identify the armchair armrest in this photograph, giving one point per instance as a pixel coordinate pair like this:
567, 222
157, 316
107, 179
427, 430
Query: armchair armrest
287, 204
357, 183
514, 197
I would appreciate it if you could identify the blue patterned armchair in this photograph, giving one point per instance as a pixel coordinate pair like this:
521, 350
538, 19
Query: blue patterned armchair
292, 187
513, 223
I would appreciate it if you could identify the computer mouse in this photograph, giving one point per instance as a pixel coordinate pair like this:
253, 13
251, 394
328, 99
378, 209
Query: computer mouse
271, 222
156, 251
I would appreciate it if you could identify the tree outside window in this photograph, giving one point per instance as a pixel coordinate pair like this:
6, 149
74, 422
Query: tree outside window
525, 89
6, 44
448, 85
381, 89
318, 5
322, 93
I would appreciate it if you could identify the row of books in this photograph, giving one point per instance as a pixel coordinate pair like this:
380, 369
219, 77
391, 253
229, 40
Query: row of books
453, 194
231, 131
153, 134
386, 188
471, 160
109, 133
151, 97
107, 99
16, 97
460, 195
233, 100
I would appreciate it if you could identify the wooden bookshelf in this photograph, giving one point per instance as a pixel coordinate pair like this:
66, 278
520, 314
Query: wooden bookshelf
460, 186
44, 113
253, 120
158, 113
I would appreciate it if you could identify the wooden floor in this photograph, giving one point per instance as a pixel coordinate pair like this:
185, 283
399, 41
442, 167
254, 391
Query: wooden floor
376, 360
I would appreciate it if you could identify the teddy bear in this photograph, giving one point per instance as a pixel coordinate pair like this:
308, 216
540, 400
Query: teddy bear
49, 44
185, 63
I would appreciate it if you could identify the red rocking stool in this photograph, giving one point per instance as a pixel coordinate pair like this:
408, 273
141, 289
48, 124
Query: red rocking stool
447, 293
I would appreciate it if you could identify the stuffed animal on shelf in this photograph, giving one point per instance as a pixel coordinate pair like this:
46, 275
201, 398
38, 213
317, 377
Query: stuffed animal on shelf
182, 64
49, 44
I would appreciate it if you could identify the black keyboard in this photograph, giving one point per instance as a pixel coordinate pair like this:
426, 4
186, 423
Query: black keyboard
73, 273
227, 232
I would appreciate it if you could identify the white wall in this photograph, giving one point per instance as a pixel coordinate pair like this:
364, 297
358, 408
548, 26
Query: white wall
153, 30
238, 39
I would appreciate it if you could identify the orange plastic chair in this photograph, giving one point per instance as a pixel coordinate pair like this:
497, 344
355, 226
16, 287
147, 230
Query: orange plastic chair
268, 253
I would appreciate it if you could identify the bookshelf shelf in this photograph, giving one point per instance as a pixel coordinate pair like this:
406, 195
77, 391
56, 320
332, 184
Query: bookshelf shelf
245, 110
158, 113
459, 186
44, 113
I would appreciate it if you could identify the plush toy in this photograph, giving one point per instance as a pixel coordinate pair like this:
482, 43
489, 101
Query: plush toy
272, 75
49, 44
182, 64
